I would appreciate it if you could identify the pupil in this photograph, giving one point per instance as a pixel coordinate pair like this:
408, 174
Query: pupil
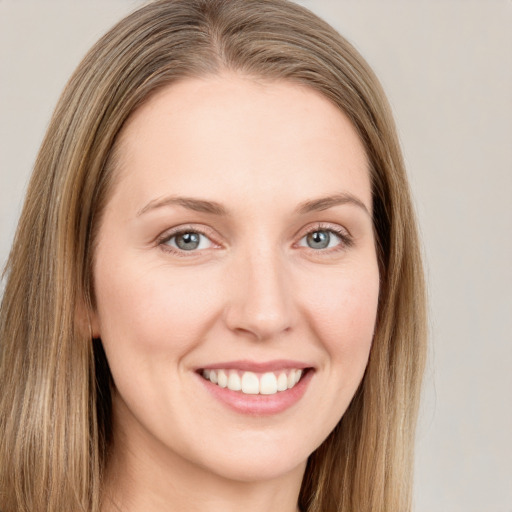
318, 239
188, 241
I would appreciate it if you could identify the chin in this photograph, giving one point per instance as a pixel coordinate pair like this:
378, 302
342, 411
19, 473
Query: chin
257, 469
259, 457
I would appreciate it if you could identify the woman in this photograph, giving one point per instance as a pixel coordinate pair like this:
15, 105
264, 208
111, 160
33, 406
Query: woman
215, 294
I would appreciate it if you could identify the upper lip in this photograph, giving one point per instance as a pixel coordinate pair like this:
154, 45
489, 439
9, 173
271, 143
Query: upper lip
257, 367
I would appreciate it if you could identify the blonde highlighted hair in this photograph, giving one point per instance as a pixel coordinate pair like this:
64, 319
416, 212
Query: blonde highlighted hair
55, 426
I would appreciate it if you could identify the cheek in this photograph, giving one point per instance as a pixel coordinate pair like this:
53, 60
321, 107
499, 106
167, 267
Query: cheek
342, 310
146, 309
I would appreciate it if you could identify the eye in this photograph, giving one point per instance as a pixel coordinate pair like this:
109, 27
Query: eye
320, 239
188, 241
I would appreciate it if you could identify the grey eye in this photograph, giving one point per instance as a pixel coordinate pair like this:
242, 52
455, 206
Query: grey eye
189, 241
318, 239
321, 239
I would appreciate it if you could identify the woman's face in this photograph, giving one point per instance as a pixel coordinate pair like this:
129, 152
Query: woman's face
236, 251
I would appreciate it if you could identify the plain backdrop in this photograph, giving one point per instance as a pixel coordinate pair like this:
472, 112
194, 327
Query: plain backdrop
447, 69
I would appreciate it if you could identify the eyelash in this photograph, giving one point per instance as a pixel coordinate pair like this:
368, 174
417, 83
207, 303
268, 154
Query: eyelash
346, 240
163, 240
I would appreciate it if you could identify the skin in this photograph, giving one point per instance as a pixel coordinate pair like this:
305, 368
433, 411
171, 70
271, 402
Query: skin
253, 290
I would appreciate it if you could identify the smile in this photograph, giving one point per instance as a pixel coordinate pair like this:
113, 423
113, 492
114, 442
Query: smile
252, 383
257, 388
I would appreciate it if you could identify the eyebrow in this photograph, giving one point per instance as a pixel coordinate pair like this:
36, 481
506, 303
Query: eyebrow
214, 208
197, 205
324, 203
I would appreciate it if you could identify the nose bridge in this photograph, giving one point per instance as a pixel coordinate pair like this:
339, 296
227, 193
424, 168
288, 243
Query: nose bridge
261, 302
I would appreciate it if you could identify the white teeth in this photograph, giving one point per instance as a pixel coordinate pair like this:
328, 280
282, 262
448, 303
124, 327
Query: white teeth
268, 384
251, 383
222, 378
282, 382
234, 381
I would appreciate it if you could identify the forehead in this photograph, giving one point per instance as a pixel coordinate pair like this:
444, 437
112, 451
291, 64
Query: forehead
239, 137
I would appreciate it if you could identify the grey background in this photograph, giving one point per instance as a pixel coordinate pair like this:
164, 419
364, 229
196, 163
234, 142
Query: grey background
447, 68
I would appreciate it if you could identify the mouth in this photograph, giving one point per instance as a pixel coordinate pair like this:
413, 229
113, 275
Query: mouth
257, 389
254, 383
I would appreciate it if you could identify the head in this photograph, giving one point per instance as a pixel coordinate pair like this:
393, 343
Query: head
60, 379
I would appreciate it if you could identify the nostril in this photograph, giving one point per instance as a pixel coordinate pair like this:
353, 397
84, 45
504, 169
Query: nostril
258, 325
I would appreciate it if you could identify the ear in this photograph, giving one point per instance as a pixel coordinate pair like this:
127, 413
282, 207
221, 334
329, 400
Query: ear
94, 324
87, 320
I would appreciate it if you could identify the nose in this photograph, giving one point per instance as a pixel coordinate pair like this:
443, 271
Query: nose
261, 302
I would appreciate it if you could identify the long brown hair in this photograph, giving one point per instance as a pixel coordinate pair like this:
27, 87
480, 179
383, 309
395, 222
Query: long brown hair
55, 397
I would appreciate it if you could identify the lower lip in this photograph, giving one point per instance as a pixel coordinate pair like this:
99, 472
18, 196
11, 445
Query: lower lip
259, 405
